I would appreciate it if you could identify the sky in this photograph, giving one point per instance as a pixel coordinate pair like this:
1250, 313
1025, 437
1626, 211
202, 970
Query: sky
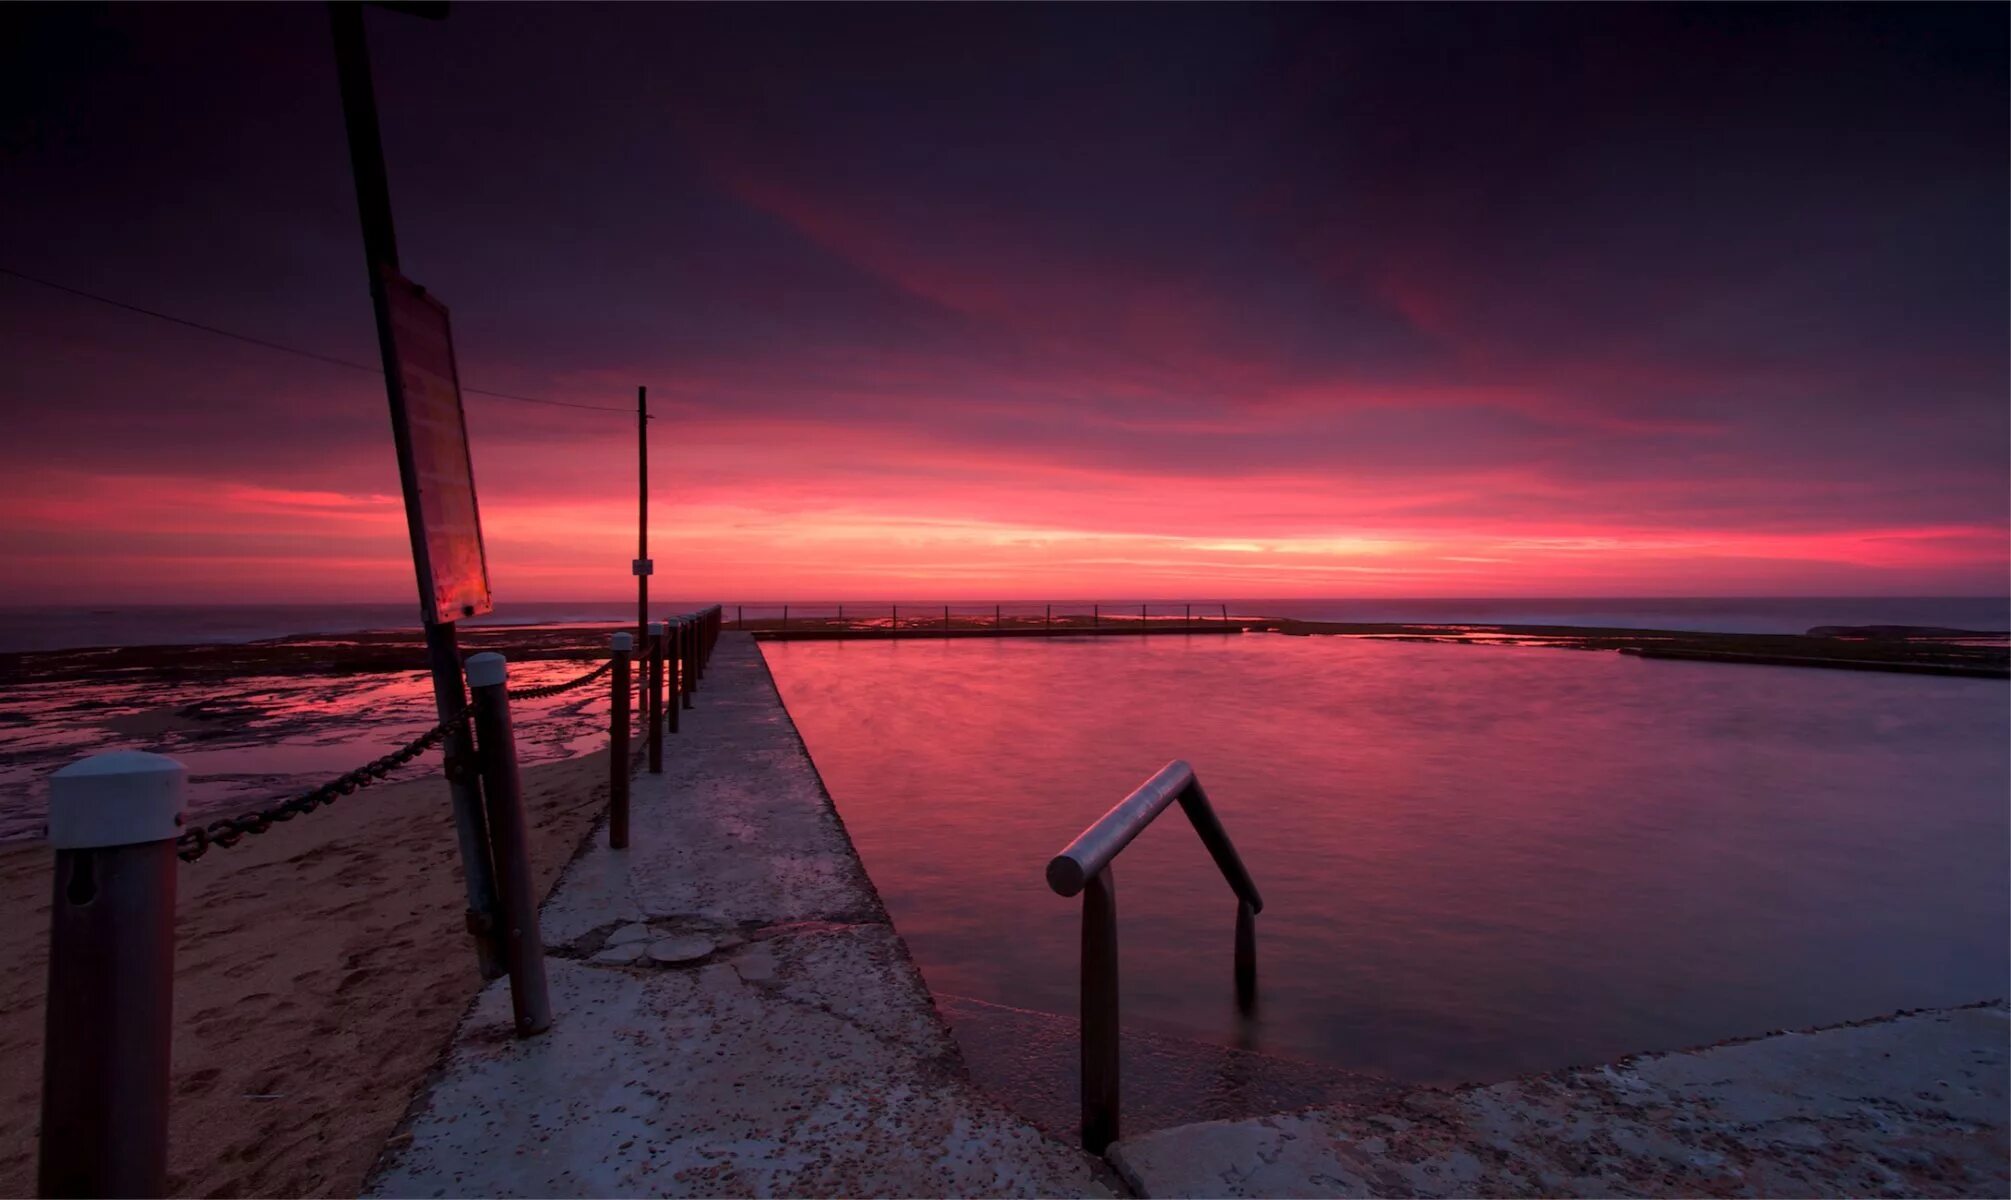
1026, 302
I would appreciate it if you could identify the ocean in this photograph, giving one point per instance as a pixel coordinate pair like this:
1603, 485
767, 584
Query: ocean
77, 626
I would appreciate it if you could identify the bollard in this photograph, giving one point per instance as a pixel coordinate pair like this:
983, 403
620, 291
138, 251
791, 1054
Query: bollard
109, 1013
496, 744
617, 754
656, 667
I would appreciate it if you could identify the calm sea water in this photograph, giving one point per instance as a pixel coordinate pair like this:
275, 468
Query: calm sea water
57, 628
1476, 861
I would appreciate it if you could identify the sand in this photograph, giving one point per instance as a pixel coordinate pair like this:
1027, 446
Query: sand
320, 970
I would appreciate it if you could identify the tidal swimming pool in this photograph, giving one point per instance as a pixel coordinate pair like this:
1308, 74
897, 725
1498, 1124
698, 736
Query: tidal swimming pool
1476, 861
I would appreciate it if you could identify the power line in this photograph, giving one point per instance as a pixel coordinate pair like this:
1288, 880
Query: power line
261, 342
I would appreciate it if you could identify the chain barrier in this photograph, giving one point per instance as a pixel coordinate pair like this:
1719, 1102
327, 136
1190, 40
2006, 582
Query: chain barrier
553, 689
226, 832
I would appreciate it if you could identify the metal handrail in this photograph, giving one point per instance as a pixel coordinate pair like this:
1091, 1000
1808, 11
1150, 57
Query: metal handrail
1084, 867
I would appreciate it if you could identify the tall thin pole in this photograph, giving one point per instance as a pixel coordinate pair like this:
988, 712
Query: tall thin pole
642, 516
443, 652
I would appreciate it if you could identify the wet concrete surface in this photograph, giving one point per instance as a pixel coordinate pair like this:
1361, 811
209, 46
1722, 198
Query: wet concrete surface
735, 1013
1912, 1105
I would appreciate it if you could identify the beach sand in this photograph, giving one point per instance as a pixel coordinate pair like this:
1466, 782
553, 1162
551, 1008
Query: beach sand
320, 970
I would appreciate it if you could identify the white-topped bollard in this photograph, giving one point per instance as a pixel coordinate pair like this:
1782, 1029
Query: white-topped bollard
109, 1012
509, 842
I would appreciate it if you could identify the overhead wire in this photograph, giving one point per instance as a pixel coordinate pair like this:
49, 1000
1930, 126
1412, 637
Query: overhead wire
248, 339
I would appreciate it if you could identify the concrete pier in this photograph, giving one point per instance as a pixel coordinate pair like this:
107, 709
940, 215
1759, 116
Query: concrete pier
734, 1012
735, 1015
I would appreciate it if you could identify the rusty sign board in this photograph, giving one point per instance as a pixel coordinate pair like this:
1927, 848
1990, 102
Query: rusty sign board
433, 461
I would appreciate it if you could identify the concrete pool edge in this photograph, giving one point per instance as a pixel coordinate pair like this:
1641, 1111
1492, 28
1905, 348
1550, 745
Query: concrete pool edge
1912, 1103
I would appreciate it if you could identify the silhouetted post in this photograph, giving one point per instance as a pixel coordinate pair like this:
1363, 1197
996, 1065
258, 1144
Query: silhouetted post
998, 621
894, 616
488, 682
785, 616
1246, 956
656, 669
687, 671
739, 616
1047, 622
617, 782
841, 612
108, 1013
1187, 619
1095, 616
1099, 1012
644, 568
1225, 614
674, 639
946, 618
1141, 619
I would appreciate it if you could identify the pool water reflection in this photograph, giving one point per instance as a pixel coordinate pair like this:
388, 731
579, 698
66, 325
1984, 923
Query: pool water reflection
1476, 861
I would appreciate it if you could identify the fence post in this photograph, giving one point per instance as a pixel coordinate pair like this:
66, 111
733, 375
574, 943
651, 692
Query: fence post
617, 751
687, 668
109, 1012
1099, 1012
656, 666
496, 743
673, 641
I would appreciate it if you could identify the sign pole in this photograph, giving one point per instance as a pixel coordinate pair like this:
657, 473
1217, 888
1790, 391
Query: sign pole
450, 697
643, 566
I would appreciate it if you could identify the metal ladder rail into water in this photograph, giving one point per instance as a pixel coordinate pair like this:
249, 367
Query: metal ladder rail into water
1084, 866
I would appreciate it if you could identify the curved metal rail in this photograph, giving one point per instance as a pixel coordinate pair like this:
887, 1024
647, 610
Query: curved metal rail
1084, 867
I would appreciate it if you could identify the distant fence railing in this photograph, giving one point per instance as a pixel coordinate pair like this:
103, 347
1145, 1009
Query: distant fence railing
116, 824
1015, 615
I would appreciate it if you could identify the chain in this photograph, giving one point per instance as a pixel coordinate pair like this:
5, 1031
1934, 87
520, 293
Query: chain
227, 832
553, 689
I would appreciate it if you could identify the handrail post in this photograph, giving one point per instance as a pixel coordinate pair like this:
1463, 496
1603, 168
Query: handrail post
617, 754
488, 684
1246, 957
656, 666
1100, 1063
108, 1018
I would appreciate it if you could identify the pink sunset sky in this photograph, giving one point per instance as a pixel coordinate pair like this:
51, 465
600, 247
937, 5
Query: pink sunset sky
1029, 303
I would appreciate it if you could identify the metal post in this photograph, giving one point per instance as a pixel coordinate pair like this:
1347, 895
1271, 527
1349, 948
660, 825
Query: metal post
108, 1016
380, 248
674, 639
687, 668
785, 616
643, 567
1095, 616
946, 618
488, 680
739, 616
1187, 619
841, 612
1142, 622
1047, 622
1246, 957
998, 621
1099, 1012
656, 667
1225, 614
617, 755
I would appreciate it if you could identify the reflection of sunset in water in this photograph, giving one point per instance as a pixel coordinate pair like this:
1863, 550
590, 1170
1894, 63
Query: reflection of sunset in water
1476, 860
258, 738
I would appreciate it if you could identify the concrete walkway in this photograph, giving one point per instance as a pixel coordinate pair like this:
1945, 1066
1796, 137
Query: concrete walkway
736, 1015
1912, 1105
